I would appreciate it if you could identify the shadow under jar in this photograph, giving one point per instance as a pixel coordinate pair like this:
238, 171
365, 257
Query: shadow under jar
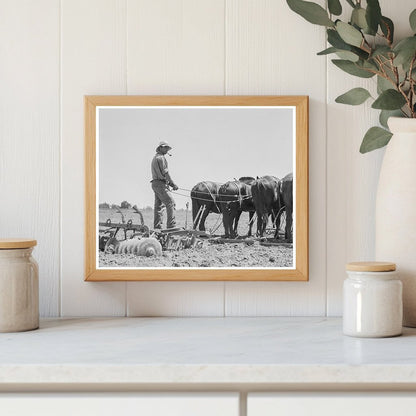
19, 286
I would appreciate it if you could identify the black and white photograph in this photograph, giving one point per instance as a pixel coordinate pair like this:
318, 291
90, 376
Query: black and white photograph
196, 187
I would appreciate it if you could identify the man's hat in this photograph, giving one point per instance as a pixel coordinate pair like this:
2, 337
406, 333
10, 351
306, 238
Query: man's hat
163, 144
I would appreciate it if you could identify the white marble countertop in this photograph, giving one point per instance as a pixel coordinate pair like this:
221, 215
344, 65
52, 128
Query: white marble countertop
157, 352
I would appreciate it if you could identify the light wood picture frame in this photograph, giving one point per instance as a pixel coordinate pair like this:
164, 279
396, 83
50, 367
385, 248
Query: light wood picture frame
223, 137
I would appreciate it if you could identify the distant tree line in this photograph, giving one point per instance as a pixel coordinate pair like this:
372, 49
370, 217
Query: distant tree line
124, 205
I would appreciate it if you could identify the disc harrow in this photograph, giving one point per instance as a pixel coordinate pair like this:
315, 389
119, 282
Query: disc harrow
128, 237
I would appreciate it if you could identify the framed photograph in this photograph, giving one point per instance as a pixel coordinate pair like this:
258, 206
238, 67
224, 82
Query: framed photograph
196, 188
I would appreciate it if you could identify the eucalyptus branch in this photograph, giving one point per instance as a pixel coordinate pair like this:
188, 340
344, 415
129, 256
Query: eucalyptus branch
385, 75
412, 85
366, 43
395, 71
406, 97
366, 40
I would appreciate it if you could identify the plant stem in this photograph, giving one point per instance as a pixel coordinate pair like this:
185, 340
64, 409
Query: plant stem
412, 86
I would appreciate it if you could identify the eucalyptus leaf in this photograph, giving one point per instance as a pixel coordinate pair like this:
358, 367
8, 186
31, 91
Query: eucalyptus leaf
386, 114
358, 18
350, 56
375, 138
311, 12
334, 7
355, 96
373, 15
347, 55
352, 68
349, 34
370, 65
405, 50
387, 27
327, 51
383, 84
389, 100
381, 50
336, 41
412, 20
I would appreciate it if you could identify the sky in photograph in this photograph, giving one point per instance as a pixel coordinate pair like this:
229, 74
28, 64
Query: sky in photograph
211, 143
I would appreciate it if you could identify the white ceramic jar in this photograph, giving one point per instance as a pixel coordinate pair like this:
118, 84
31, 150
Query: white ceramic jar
372, 300
19, 286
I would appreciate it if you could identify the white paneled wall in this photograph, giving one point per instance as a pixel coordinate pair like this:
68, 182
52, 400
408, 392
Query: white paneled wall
93, 61
30, 134
53, 52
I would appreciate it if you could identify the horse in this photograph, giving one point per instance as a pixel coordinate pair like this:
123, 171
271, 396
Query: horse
266, 199
234, 198
204, 197
286, 201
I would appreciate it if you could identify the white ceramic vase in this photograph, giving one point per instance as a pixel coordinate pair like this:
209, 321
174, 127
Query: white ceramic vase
396, 210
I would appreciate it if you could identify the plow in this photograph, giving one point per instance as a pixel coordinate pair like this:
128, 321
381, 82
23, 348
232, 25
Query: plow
134, 237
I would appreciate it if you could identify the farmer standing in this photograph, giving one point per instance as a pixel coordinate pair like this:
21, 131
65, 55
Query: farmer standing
161, 181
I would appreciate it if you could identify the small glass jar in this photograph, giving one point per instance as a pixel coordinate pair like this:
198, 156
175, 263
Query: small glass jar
372, 300
19, 286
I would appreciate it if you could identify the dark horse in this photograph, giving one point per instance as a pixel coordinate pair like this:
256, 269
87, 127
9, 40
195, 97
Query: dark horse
204, 197
286, 201
234, 198
266, 199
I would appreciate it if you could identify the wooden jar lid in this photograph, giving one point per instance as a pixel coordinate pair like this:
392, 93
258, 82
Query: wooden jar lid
371, 266
11, 243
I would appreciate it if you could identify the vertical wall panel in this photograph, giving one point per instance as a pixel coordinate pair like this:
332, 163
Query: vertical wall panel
93, 62
272, 51
352, 177
29, 135
175, 47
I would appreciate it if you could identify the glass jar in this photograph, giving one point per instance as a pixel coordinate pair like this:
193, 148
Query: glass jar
372, 300
19, 286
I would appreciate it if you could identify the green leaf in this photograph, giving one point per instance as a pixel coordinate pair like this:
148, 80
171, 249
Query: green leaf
387, 27
389, 100
373, 15
405, 50
336, 41
349, 34
311, 12
356, 96
334, 7
370, 65
375, 138
412, 20
381, 50
383, 84
347, 55
352, 68
386, 114
358, 18
327, 51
